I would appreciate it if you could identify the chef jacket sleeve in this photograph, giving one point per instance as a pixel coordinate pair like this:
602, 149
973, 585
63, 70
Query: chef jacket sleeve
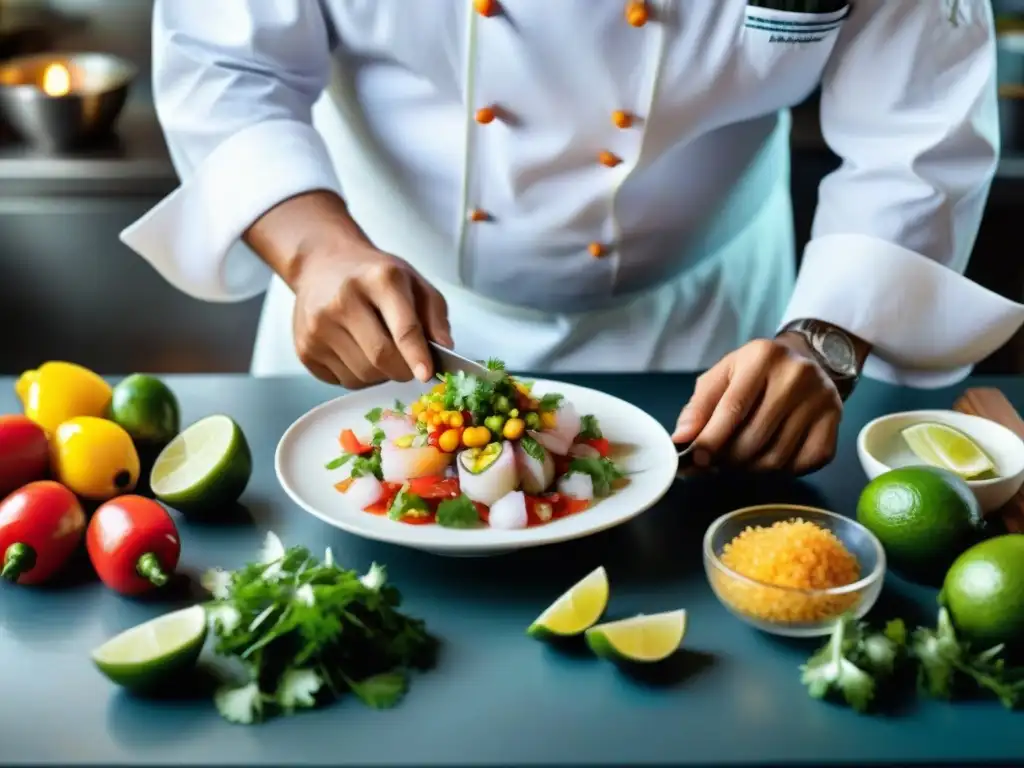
234, 84
909, 105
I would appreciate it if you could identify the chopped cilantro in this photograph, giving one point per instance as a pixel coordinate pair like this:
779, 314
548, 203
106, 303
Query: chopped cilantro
532, 448
378, 436
406, 503
302, 631
339, 462
399, 407
589, 428
601, 470
373, 415
464, 392
494, 364
458, 513
367, 464
551, 401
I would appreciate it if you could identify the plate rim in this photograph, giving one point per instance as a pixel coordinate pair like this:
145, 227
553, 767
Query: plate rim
402, 540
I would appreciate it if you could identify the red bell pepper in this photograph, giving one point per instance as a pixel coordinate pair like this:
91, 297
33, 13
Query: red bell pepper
351, 444
133, 544
41, 525
599, 444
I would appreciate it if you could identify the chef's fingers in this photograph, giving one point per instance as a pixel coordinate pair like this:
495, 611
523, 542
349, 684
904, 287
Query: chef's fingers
433, 310
789, 385
711, 385
820, 446
361, 344
348, 362
787, 440
396, 303
322, 372
746, 386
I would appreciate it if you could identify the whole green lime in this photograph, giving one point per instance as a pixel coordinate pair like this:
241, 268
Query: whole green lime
984, 592
924, 517
146, 408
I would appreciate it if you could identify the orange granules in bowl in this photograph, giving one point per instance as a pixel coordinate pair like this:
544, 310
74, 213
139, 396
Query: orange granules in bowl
790, 560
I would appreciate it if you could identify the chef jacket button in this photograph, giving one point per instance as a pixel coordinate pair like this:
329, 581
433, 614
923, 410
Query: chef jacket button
636, 13
485, 115
478, 215
596, 250
486, 7
608, 159
622, 119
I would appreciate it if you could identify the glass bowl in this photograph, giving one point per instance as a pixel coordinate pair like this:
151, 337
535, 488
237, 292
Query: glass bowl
790, 611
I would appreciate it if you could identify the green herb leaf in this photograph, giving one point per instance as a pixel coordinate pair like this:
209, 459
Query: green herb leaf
494, 364
459, 512
399, 407
367, 464
601, 470
551, 401
373, 415
378, 437
406, 503
533, 449
381, 691
589, 428
830, 670
464, 392
339, 462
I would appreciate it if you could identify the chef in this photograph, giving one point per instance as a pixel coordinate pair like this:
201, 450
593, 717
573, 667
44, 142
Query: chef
598, 185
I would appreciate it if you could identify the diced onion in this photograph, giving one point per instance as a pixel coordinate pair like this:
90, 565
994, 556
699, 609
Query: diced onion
364, 491
579, 485
509, 512
552, 441
567, 422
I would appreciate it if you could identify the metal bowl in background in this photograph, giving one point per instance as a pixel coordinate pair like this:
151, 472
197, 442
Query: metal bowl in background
64, 101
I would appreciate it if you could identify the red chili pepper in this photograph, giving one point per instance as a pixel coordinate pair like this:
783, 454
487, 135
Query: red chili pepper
24, 453
41, 525
133, 544
351, 444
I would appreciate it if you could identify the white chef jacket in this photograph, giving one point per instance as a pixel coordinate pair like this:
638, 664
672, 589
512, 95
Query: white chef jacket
627, 208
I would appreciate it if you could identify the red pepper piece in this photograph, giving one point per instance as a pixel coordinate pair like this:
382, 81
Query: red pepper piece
351, 444
133, 544
24, 453
41, 525
383, 504
600, 444
434, 487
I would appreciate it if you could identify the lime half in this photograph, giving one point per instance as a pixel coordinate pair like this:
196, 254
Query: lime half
641, 638
206, 466
145, 656
576, 610
948, 448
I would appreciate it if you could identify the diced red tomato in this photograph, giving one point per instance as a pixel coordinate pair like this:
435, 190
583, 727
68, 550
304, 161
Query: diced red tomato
539, 510
425, 520
561, 464
483, 510
435, 487
567, 505
600, 444
351, 444
381, 506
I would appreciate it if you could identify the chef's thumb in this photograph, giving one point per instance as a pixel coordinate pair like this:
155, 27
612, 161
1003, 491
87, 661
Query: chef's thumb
697, 412
433, 310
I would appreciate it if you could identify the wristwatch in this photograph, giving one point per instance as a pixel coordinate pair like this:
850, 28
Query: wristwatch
832, 349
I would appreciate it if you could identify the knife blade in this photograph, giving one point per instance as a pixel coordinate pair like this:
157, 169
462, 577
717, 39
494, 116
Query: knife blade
446, 361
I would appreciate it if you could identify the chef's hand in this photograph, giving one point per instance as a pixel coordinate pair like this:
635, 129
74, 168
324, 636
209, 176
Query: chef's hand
363, 316
766, 406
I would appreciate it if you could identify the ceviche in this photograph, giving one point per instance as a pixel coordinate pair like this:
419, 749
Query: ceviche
473, 452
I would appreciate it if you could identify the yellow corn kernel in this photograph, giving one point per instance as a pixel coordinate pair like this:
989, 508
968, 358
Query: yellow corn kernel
437, 389
455, 420
436, 420
417, 407
436, 406
476, 437
405, 441
513, 429
548, 420
422, 417
449, 440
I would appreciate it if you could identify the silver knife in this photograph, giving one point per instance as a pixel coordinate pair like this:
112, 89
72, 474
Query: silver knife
446, 361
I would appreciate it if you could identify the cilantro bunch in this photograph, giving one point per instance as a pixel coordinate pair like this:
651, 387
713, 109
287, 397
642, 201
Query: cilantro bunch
302, 632
856, 660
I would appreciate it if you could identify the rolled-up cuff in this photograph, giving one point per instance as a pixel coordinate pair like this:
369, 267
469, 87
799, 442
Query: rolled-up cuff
927, 324
191, 237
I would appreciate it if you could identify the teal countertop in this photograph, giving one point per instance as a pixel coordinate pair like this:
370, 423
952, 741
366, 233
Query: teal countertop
497, 698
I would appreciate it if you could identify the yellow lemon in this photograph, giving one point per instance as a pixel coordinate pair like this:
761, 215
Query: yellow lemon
57, 391
94, 458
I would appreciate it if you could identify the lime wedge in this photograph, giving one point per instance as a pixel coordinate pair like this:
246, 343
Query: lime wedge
148, 654
204, 467
641, 638
576, 610
948, 448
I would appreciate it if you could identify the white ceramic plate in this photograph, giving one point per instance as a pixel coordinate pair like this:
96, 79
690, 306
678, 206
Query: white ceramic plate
642, 448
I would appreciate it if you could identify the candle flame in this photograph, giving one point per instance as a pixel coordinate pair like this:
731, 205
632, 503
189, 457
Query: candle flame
56, 80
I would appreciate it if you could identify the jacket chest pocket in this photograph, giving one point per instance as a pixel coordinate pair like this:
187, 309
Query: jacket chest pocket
787, 50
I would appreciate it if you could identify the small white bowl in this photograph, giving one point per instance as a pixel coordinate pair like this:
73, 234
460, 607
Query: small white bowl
881, 447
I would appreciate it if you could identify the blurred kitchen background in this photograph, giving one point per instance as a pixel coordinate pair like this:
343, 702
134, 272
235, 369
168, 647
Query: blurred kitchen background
71, 291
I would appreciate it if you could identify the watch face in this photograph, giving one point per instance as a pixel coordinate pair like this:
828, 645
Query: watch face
838, 351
